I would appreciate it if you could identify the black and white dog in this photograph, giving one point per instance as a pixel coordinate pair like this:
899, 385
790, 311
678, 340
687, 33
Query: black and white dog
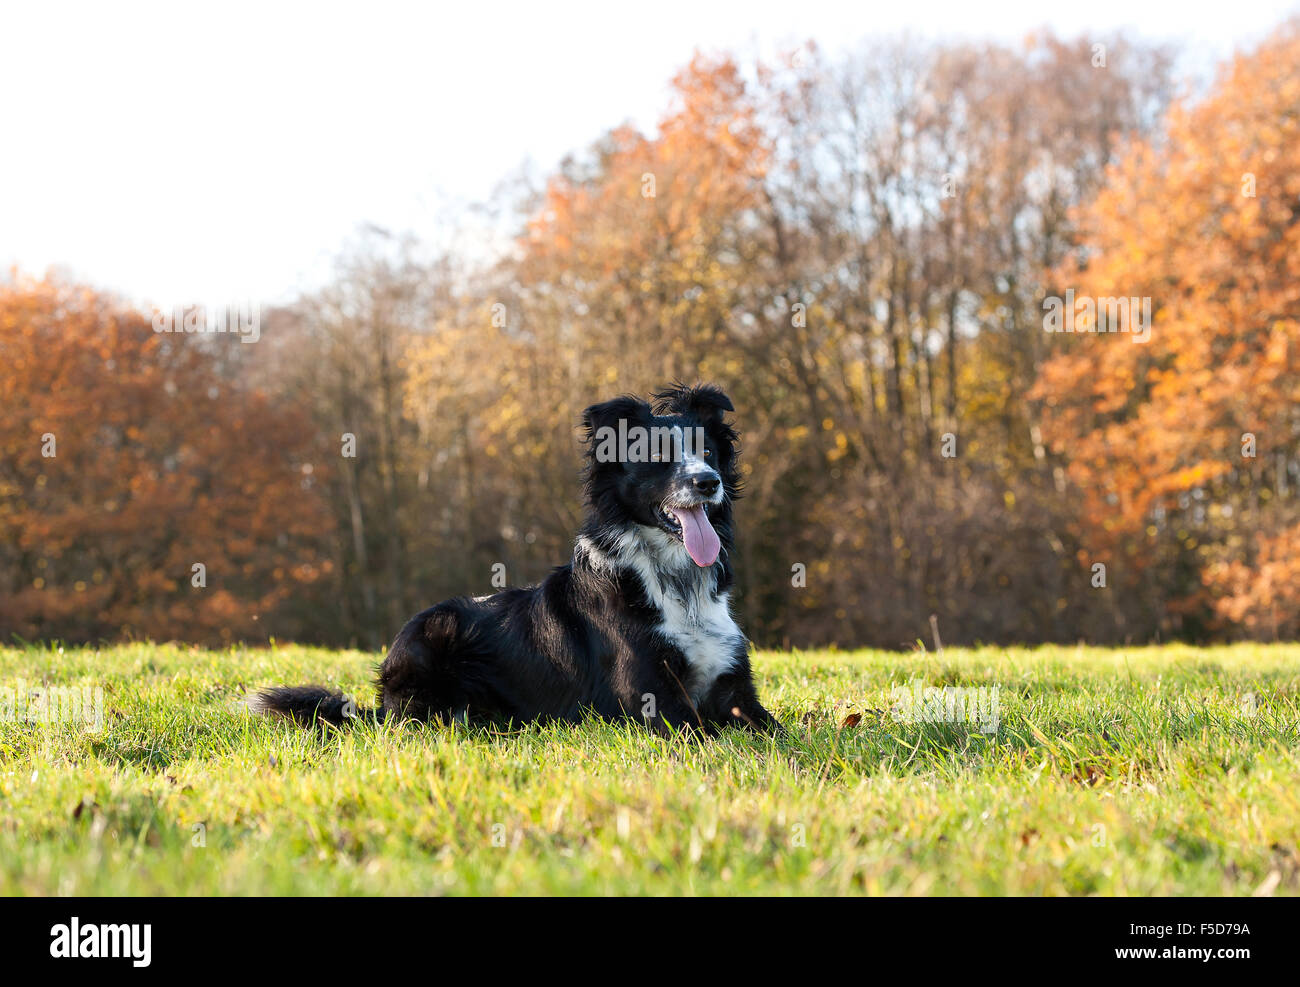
636, 626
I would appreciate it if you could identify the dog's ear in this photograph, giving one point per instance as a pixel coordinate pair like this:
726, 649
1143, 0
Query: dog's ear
608, 413
707, 402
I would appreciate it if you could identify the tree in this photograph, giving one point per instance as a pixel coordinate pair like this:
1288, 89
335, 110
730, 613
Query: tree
1186, 448
142, 494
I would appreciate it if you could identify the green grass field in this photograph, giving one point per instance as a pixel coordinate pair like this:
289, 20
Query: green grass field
1137, 771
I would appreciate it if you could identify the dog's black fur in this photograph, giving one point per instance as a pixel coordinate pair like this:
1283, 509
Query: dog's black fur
633, 627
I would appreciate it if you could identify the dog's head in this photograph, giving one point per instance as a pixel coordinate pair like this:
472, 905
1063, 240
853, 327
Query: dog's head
669, 466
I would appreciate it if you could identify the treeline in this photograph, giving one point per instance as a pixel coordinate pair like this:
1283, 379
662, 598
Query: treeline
859, 249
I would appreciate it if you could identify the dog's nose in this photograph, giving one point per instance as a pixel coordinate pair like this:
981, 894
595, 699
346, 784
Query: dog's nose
706, 483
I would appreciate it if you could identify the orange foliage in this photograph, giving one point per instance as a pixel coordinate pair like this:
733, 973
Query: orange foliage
157, 463
658, 226
1160, 434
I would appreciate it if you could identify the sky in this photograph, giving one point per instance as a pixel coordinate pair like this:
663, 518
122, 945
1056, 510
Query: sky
224, 153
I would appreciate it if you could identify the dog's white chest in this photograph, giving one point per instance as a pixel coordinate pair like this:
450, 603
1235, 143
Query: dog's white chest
696, 621
706, 634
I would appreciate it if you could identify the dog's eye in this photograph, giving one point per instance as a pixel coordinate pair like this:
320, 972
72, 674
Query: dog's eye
707, 454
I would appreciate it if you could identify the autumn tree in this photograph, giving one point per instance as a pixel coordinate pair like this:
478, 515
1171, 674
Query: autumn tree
1185, 448
141, 493
624, 276
916, 195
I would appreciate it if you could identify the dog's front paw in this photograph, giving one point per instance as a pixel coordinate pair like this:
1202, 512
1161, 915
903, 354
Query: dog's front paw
757, 718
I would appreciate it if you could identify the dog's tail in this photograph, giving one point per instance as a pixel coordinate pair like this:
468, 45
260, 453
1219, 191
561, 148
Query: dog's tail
309, 704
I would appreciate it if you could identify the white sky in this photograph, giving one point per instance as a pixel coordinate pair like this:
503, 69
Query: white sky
184, 153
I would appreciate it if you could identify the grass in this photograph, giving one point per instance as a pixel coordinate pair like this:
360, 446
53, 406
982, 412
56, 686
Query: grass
1140, 771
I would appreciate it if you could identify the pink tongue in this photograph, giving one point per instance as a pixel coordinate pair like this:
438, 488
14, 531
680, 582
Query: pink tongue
701, 540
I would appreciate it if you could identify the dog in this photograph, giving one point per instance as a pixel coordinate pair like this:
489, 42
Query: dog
636, 627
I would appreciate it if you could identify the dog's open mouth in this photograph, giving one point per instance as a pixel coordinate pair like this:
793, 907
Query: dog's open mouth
692, 526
